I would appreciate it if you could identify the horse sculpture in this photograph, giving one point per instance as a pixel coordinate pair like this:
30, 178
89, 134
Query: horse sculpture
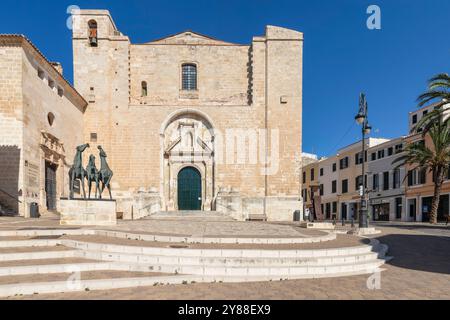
77, 171
105, 173
92, 175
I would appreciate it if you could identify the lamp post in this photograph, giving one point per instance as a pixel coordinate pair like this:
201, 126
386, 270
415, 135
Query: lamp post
361, 119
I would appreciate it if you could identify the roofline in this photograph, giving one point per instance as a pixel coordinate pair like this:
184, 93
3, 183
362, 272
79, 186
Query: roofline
28, 41
224, 43
359, 142
393, 141
94, 12
434, 104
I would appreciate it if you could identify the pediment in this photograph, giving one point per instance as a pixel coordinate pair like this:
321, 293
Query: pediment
199, 145
189, 38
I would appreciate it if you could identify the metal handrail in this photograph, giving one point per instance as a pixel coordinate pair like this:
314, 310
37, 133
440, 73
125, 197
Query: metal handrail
9, 195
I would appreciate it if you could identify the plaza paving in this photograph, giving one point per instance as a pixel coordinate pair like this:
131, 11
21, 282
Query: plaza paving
420, 270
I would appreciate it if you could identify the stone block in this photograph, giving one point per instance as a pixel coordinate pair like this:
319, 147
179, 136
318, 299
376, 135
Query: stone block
88, 212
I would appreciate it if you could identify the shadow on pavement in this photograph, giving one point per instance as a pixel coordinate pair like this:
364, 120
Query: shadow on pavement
419, 252
413, 227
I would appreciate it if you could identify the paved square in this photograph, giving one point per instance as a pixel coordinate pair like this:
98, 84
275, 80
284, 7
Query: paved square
420, 270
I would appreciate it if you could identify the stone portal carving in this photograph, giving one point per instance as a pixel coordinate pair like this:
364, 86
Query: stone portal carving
187, 140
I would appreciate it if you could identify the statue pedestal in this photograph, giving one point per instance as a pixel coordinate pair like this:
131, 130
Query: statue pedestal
79, 212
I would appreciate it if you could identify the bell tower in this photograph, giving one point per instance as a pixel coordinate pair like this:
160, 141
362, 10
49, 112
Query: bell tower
101, 75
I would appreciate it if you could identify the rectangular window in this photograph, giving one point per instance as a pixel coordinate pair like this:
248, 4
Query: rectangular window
305, 195
414, 119
334, 167
412, 177
321, 190
380, 154
376, 182
398, 148
398, 208
390, 151
304, 177
344, 186
358, 158
386, 181
373, 156
343, 163
51, 83
189, 77
312, 175
321, 172
334, 186
41, 74
396, 176
334, 207
94, 137
425, 113
423, 176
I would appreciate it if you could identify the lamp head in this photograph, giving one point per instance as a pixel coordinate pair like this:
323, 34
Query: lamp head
360, 118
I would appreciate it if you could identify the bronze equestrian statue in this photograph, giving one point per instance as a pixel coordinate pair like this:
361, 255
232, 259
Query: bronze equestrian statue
92, 175
105, 173
77, 171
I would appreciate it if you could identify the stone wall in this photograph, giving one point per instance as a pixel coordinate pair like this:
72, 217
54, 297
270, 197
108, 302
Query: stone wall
39, 100
245, 88
41, 120
135, 206
239, 207
11, 117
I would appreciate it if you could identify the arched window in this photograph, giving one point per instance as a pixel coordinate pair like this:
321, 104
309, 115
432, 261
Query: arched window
189, 76
144, 89
50, 118
93, 35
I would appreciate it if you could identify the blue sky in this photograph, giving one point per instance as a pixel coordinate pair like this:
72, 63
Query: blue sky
341, 56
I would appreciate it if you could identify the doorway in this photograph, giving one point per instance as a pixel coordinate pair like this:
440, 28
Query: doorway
50, 185
189, 189
344, 211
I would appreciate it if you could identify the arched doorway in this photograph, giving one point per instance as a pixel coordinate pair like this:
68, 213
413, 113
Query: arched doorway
189, 189
187, 140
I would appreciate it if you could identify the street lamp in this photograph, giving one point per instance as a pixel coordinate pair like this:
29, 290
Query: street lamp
361, 119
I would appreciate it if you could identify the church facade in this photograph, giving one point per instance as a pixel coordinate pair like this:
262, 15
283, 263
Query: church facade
193, 123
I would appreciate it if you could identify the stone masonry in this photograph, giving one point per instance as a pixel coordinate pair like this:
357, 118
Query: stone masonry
239, 128
242, 91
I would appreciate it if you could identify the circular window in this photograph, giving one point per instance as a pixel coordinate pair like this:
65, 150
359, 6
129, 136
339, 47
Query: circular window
51, 118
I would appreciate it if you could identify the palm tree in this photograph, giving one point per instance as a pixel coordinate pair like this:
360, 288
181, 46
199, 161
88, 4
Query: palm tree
434, 157
438, 89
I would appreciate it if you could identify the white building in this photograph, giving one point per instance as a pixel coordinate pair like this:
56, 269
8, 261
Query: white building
386, 181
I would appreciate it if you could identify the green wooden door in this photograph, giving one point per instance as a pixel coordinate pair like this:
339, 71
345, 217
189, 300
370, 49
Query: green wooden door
189, 189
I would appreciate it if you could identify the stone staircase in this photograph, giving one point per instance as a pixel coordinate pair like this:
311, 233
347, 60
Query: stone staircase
204, 215
40, 265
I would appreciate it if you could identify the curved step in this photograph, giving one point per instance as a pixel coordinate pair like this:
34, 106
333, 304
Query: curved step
39, 255
273, 272
55, 268
224, 253
32, 288
229, 261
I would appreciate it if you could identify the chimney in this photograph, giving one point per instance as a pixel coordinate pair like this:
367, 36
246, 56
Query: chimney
58, 67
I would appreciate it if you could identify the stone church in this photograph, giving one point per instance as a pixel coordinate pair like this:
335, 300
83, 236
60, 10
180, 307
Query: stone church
188, 122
